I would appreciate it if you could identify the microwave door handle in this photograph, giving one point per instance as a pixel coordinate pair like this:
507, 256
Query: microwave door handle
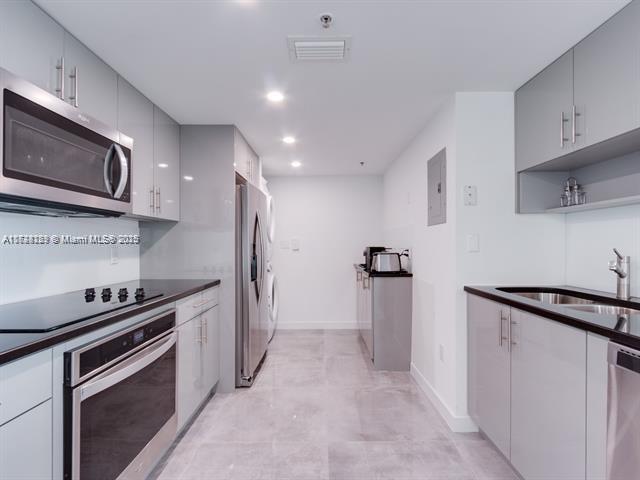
107, 167
127, 368
124, 171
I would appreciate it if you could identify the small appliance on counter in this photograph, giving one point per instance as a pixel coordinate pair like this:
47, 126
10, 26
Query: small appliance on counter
386, 262
368, 256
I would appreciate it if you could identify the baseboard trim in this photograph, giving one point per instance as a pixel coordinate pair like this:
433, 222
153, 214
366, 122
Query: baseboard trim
317, 326
456, 423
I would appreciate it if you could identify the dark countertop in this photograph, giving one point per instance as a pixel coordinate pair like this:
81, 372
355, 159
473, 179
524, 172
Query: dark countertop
403, 273
16, 345
602, 324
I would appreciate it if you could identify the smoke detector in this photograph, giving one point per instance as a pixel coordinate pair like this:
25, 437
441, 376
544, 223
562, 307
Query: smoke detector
314, 49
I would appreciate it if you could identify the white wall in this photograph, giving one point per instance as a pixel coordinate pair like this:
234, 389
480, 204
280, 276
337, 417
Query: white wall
334, 217
591, 236
31, 271
477, 130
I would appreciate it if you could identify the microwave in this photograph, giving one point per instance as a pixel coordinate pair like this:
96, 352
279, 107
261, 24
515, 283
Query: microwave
55, 160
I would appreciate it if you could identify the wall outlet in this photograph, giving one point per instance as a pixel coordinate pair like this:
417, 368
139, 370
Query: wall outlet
114, 255
441, 352
470, 195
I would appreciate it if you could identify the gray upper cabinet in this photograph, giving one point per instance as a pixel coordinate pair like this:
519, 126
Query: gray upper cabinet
489, 369
90, 84
135, 119
543, 107
166, 147
31, 43
548, 398
607, 79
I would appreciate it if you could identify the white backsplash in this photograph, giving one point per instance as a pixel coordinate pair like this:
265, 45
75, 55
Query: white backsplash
591, 236
31, 271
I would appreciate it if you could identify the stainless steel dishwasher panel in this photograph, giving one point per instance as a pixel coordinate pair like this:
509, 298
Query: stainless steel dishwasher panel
623, 413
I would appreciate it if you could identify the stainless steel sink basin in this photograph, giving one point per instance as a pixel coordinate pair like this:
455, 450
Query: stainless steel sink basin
555, 298
605, 309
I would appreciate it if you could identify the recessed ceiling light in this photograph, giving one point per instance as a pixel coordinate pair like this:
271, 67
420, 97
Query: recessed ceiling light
296, 164
188, 178
163, 165
289, 140
275, 96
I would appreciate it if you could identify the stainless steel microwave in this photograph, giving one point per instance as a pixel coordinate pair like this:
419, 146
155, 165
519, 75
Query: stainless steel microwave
56, 160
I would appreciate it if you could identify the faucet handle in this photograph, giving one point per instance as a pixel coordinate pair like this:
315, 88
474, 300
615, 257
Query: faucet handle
618, 254
613, 265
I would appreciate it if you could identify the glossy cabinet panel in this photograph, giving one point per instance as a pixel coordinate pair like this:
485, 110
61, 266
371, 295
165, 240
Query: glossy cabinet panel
543, 108
607, 79
26, 445
96, 83
246, 161
489, 370
189, 369
597, 375
211, 348
166, 147
135, 119
25, 383
31, 43
548, 398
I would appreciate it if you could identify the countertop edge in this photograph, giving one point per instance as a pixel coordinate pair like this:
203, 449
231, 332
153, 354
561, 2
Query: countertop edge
383, 274
566, 319
71, 332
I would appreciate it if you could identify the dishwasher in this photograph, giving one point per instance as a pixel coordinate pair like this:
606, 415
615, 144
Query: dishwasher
623, 413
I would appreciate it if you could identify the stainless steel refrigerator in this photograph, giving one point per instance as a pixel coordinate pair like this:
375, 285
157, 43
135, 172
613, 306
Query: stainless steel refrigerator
252, 322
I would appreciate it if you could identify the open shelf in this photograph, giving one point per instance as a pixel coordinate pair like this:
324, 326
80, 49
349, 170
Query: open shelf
614, 202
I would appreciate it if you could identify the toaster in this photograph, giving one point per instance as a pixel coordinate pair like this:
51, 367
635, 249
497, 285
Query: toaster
386, 262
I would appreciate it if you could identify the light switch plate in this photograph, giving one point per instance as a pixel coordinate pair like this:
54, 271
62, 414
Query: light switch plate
473, 243
295, 244
470, 195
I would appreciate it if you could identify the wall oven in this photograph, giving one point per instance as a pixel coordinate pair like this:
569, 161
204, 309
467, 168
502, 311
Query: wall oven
57, 160
120, 402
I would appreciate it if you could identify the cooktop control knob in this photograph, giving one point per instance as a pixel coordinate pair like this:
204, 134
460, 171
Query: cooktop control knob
123, 292
139, 293
90, 292
106, 292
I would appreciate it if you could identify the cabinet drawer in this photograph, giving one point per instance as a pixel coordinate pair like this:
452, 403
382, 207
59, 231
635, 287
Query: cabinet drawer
210, 298
187, 308
24, 384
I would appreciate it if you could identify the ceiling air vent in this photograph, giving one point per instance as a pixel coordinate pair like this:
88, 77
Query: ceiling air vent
314, 49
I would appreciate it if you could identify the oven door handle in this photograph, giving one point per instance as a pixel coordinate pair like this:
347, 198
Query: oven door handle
127, 368
124, 170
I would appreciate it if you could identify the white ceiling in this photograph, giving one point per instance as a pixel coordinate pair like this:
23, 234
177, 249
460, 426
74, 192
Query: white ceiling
211, 62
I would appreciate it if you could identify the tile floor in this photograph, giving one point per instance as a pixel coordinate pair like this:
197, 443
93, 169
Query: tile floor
319, 411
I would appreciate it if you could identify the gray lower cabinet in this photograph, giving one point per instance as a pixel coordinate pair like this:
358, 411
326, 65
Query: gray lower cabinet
198, 361
597, 376
489, 370
31, 43
607, 79
543, 107
91, 84
26, 445
548, 398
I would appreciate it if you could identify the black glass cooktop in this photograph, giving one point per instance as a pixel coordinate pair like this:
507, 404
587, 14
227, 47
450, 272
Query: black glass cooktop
51, 313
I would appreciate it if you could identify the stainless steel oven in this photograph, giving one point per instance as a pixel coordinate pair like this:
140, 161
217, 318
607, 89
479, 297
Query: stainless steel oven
120, 402
57, 160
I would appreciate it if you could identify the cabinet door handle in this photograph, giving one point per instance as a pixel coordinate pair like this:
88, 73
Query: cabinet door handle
358, 276
199, 336
158, 204
74, 76
60, 72
204, 330
512, 342
562, 122
574, 133
152, 204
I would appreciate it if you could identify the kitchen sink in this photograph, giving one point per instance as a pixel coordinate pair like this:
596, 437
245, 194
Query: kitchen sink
552, 297
605, 309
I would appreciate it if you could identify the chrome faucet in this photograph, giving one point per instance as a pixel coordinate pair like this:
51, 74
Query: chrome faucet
620, 266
